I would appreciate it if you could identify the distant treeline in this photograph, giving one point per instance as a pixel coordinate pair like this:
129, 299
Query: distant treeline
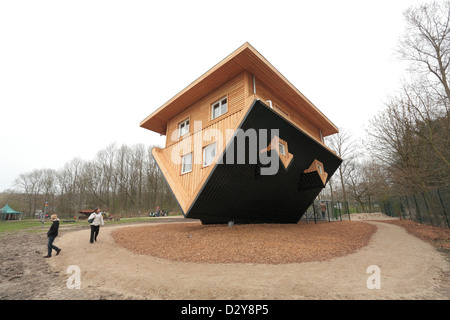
122, 180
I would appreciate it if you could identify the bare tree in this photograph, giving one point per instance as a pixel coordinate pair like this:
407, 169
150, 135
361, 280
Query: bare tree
30, 185
121, 180
35, 188
426, 44
345, 148
411, 136
356, 183
70, 195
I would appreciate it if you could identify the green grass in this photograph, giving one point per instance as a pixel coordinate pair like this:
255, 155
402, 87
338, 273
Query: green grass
33, 225
6, 226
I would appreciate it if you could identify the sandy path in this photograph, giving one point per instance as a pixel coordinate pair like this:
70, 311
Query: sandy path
410, 269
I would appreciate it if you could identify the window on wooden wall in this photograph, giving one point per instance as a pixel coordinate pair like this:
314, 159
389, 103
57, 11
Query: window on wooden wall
186, 163
282, 148
209, 152
319, 168
183, 128
219, 108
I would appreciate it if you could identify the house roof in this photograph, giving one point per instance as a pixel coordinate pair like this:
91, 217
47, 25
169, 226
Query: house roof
244, 58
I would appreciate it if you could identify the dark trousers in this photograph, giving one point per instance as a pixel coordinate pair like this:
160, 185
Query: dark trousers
94, 233
51, 246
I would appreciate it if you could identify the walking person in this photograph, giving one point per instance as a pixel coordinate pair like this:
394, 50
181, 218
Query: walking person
52, 234
323, 209
97, 220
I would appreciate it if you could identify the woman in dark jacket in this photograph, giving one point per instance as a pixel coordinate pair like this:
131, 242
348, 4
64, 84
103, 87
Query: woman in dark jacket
52, 234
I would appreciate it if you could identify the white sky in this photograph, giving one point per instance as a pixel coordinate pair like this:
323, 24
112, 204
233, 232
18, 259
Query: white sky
76, 76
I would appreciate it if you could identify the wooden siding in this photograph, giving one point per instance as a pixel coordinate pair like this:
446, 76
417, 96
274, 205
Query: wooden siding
247, 59
240, 95
239, 91
157, 121
252, 61
186, 186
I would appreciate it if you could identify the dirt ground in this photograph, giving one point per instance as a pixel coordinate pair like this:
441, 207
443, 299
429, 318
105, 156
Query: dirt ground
411, 267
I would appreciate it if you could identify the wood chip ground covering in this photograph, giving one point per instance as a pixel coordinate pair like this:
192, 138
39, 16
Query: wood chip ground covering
255, 243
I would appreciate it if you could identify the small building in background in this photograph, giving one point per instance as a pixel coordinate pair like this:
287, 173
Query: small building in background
9, 214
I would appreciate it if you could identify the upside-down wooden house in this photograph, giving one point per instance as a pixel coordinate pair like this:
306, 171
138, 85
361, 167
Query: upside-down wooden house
243, 144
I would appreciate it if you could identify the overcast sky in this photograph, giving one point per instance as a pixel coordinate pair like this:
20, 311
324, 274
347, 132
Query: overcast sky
76, 76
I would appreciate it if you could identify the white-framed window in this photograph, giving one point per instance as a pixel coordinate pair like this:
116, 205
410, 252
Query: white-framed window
183, 128
209, 152
219, 108
186, 163
319, 167
282, 149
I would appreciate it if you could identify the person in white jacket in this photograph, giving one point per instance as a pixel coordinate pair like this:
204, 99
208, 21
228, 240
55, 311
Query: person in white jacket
97, 220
